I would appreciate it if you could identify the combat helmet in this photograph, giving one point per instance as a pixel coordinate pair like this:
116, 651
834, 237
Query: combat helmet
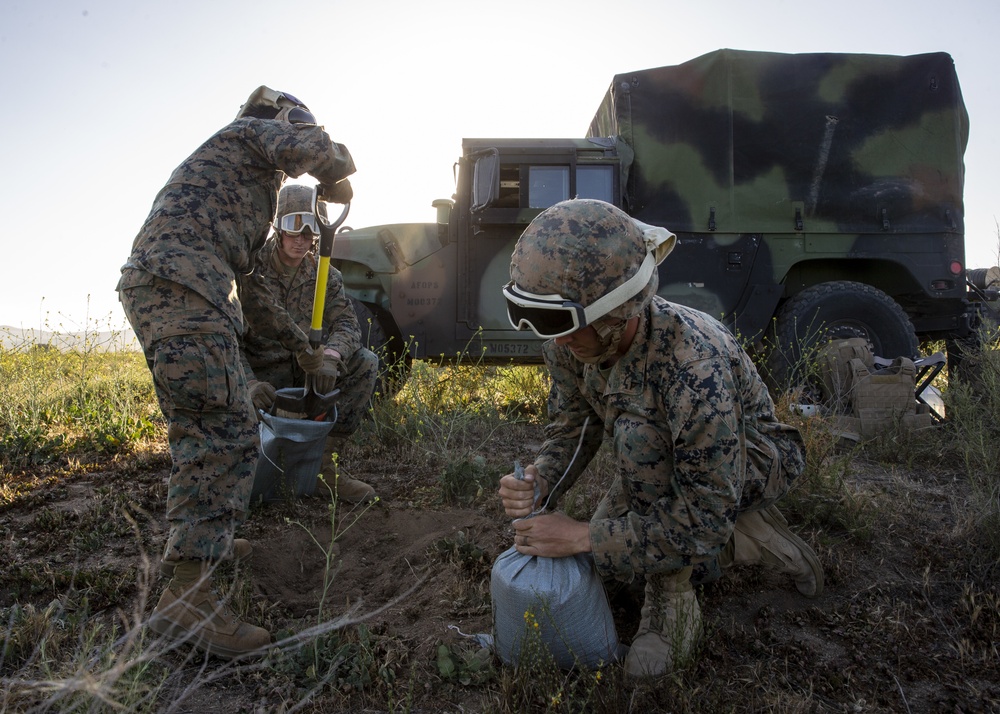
266, 103
582, 261
296, 209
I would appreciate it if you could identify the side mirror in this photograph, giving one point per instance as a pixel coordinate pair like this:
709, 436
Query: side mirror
486, 181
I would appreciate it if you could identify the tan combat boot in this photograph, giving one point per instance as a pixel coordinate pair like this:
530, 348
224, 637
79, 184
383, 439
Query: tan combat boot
670, 626
763, 537
242, 550
348, 489
190, 611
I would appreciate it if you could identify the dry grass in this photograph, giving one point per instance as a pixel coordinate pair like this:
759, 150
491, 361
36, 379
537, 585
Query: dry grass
905, 526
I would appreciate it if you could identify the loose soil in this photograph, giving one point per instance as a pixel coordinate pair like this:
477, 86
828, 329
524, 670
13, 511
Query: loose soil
904, 625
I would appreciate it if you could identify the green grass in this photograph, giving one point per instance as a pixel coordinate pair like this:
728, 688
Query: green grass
81, 402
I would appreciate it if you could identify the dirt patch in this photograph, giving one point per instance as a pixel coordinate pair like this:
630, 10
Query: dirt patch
904, 624
390, 556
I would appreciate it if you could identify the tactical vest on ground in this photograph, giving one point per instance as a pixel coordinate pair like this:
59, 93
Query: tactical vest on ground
865, 395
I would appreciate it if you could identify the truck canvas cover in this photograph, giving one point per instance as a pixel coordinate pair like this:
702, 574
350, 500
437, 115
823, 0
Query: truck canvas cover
760, 142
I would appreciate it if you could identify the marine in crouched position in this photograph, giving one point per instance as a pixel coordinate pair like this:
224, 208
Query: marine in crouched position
701, 459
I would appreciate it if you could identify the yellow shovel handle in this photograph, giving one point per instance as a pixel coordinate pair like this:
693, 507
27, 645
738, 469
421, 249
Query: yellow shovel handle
319, 302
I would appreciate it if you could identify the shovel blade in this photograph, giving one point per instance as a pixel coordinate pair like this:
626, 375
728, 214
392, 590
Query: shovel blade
290, 400
319, 405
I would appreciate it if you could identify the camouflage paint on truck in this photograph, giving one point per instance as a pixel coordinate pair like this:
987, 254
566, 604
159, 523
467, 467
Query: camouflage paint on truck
804, 189
793, 170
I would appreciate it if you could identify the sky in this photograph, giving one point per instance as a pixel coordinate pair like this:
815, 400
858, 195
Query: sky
106, 97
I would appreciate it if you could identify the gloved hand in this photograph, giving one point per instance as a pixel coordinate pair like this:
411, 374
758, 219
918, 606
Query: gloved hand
262, 394
340, 192
310, 360
325, 381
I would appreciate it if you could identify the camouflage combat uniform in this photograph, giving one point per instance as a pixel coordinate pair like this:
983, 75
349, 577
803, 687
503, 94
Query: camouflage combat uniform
694, 434
268, 360
179, 292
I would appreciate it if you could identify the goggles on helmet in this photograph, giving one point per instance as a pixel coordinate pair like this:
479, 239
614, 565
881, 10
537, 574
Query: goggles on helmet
551, 316
296, 115
546, 315
295, 223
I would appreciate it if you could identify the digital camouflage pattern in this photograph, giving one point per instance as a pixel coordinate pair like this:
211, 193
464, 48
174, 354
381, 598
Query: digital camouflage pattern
179, 291
192, 351
298, 198
213, 215
582, 249
693, 431
266, 359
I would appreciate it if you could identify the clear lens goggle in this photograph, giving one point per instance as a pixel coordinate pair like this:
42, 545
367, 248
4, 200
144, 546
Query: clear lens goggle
295, 223
551, 316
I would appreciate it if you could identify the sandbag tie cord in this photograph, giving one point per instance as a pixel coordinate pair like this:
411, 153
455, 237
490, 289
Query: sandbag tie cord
519, 475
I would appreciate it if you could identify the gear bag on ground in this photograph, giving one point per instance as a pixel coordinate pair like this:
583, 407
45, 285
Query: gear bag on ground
866, 398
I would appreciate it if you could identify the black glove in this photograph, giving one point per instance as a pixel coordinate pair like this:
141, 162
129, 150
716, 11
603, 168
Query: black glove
262, 394
340, 192
310, 360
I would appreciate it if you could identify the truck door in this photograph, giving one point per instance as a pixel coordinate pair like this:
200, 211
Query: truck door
710, 272
510, 188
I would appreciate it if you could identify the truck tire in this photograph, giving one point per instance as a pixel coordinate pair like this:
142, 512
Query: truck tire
836, 310
380, 334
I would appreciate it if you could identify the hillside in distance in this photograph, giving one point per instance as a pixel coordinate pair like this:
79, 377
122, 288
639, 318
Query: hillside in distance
18, 338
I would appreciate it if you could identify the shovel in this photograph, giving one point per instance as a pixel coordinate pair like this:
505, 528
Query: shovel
315, 406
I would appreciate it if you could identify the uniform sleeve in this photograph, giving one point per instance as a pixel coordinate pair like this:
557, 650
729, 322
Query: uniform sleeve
298, 149
691, 480
573, 424
340, 321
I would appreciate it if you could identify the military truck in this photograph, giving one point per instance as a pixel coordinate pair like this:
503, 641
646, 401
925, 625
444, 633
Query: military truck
812, 195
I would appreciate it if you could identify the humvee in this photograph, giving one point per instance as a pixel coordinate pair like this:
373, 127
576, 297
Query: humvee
812, 194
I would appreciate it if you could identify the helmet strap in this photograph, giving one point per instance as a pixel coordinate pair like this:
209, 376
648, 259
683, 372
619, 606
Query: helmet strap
610, 332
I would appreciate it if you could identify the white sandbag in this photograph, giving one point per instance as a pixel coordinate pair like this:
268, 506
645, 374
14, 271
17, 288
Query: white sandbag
291, 457
567, 600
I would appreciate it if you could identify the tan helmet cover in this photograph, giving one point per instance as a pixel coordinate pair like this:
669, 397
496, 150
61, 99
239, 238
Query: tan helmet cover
582, 249
297, 198
268, 103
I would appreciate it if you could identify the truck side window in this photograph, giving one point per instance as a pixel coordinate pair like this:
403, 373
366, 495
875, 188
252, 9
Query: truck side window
595, 182
547, 185
510, 187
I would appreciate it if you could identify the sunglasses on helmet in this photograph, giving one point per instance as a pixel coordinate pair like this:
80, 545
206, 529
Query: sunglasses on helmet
295, 223
551, 316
